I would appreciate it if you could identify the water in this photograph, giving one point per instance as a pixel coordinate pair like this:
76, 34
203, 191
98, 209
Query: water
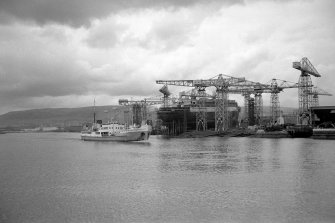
55, 177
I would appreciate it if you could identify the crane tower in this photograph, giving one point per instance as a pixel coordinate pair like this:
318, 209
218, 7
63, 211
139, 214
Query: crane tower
315, 95
201, 114
305, 84
274, 100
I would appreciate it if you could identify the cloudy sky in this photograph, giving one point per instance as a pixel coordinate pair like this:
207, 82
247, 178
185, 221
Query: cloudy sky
65, 53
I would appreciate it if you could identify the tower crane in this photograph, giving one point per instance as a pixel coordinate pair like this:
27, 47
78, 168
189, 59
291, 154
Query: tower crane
305, 84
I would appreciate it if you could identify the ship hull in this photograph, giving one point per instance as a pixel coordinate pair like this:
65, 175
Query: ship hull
272, 134
324, 133
122, 137
300, 131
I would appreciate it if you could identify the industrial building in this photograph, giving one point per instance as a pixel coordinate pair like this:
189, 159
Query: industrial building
323, 116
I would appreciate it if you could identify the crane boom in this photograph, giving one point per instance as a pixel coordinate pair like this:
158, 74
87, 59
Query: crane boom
195, 93
217, 82
144, 101
306, 67
318, 91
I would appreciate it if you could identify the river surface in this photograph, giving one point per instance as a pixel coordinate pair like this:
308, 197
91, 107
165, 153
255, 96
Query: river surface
56, 177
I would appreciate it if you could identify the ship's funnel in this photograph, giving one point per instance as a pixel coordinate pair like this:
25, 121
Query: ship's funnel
164, 90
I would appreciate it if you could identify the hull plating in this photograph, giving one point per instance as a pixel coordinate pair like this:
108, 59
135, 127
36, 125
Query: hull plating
124, 137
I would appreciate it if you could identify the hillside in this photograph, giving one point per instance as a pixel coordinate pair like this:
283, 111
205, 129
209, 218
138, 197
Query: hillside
60, 116
63, 117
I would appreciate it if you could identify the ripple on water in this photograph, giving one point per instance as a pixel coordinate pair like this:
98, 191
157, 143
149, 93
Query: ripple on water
59, 178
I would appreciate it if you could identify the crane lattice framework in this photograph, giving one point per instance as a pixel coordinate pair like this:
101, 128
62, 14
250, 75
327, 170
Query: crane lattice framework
305, 84
274, 88
274, 101
139, 108
248, 88
315, 92
166, 93
246, 92
222, 86
258, 107
201, 113
246, 96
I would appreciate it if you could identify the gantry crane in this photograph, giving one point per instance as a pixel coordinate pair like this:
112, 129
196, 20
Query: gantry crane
166, 93
305, 85
274, 88
139, 108
195, 93
222, 86
315, 92
245, 91
201, 112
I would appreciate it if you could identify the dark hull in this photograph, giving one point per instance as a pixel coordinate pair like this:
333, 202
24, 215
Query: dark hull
323, 133
272, 134
300, 131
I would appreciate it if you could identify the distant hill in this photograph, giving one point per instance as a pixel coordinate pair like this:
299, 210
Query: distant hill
60, 116
64, 117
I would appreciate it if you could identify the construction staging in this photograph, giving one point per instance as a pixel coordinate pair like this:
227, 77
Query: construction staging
196, 110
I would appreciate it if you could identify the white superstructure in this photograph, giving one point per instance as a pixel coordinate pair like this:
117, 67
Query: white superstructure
116, 132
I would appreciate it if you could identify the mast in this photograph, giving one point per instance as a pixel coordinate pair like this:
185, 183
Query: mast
94, 112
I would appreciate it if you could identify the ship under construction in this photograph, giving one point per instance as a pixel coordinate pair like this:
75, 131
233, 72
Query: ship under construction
182, 117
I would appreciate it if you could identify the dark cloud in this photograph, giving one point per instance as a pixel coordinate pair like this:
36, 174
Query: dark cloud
80, 12
57, 65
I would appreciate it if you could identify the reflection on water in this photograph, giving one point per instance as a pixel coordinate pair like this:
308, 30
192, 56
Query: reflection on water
219, 155
56, 177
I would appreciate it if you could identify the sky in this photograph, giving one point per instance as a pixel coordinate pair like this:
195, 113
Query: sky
65, 53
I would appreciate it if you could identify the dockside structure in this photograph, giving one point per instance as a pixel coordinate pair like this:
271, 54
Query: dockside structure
182, 118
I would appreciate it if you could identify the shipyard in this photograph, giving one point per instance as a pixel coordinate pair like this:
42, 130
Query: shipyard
196, 113
172, 111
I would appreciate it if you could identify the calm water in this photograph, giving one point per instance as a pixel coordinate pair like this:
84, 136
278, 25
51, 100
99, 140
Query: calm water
55, 177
